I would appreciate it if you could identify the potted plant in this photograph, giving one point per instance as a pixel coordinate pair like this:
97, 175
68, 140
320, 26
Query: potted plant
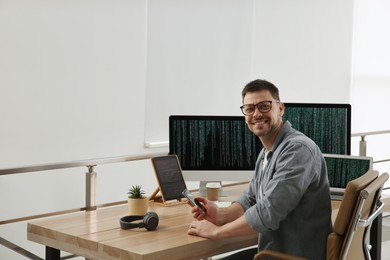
137, 201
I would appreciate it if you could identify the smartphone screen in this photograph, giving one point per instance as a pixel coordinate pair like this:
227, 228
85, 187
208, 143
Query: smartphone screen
193, 200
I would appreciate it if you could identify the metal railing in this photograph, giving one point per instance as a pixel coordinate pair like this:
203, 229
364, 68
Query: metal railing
363, 145
90, 189
363, 142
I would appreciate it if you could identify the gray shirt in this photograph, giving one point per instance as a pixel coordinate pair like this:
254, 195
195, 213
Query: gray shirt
288, 202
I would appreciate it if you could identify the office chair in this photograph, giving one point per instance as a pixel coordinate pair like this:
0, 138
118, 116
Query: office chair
360, 205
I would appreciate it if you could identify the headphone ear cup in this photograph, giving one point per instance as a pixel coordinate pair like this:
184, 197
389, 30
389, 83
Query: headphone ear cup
151, 220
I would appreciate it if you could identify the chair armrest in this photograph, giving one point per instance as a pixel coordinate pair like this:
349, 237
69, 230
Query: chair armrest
276, 255
374, 215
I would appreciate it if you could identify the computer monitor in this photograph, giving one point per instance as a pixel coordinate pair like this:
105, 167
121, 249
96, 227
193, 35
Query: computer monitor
213, 148
328, 125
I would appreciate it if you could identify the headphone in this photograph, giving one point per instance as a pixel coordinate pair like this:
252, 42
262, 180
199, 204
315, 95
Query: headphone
149, 221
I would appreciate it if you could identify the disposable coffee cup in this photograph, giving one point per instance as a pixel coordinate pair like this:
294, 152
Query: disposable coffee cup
213, 190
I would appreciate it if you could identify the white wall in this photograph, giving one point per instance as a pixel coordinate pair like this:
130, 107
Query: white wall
370, 89
304, 47
201, 53
77, 81
70, 73
199, 57
72, 80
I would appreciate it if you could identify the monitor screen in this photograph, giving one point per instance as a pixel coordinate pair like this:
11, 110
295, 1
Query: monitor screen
328, 125
225, 142
344, 168
213, 142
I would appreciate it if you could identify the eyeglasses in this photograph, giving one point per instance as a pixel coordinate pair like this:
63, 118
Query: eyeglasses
263, 107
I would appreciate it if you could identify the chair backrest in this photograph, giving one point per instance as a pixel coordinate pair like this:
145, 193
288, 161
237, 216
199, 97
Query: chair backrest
359, 202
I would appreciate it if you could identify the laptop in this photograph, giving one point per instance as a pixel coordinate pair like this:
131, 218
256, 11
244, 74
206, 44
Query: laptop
344, 168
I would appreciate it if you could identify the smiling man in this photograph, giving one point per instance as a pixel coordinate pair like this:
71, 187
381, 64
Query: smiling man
288, 201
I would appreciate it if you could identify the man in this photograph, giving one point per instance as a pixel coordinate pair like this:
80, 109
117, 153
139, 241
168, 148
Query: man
288, 201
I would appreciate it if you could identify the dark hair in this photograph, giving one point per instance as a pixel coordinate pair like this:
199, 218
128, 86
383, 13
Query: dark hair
259, 85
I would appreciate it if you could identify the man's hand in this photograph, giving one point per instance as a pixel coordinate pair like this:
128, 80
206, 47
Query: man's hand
203, 228
212, 211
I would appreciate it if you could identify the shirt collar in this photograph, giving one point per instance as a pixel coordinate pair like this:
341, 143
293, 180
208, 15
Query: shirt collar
281, 135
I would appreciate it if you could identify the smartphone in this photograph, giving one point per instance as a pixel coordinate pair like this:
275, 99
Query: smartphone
193, 200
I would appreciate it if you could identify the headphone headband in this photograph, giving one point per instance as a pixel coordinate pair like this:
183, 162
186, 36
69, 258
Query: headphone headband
149, 221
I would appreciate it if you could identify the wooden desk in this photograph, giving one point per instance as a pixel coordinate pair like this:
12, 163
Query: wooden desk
97, 235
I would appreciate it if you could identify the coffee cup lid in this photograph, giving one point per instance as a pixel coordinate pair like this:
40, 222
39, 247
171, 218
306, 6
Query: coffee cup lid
213, 185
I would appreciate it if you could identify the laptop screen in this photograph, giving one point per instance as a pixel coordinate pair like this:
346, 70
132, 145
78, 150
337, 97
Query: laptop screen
344, 168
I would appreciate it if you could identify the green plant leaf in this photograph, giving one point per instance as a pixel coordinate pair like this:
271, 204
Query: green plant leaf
136, 192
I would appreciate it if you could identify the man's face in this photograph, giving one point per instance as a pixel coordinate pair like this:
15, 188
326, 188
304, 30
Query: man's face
265, 124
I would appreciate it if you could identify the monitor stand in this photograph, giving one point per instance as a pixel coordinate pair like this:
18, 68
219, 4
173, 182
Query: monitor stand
203, 191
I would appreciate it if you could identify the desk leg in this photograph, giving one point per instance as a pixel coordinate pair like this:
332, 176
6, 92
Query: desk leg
376, 238
52, 253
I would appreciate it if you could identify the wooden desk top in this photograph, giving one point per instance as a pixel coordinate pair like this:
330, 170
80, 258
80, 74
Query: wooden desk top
97, 234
